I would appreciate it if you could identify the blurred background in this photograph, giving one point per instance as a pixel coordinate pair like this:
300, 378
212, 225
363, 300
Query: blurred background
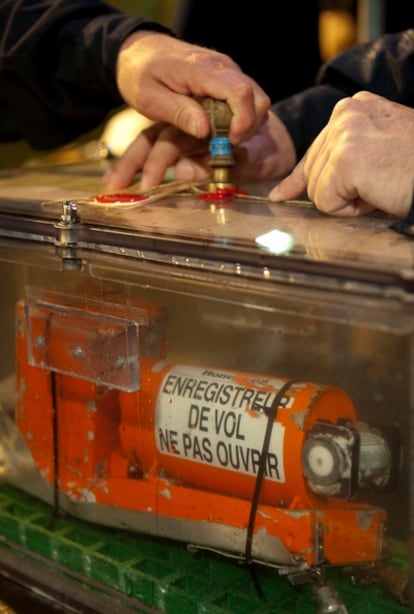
281, 45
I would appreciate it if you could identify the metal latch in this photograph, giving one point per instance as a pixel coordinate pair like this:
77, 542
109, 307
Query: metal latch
67, 235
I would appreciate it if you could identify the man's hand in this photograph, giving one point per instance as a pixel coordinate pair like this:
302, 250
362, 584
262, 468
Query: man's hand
362, 160
267, 154
165, 80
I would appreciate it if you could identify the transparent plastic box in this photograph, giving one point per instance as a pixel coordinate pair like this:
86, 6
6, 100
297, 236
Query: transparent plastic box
225, 375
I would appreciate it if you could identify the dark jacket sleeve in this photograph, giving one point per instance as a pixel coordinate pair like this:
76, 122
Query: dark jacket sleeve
57, 67
384, 66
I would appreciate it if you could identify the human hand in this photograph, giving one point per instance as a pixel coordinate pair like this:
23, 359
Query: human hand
165, 80
362, 160
162, 77
267, 154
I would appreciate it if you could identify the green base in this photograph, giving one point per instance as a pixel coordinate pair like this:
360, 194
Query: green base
163, 574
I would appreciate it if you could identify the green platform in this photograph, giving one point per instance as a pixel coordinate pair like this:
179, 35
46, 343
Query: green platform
143, 571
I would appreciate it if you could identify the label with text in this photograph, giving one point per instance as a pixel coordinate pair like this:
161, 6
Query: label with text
208, 416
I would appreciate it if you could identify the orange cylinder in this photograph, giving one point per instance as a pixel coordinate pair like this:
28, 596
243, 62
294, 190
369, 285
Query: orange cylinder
206, 427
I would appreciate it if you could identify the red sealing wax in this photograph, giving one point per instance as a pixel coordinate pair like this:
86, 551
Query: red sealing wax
120, 197
221, 194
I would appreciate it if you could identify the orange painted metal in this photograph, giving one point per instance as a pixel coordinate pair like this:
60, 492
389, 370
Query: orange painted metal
186, 446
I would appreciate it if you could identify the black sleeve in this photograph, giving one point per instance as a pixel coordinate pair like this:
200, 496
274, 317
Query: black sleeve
57, 67
384, 66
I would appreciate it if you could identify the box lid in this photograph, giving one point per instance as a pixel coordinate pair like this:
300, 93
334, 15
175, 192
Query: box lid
186, 221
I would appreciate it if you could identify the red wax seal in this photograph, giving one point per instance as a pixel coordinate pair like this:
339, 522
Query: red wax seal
220, 194
120, 197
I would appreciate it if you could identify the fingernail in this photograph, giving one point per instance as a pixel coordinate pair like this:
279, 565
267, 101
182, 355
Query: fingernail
194, 127
274, 194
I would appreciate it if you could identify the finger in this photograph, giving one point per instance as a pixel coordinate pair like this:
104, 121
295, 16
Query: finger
343, 208
336, 193
193, 169
249, 109
304, 176
333, 190
352, 208
123, 170
317, 163
170, 146
248, 103
327, 191
332, 174
161, 158
223, 80
291, 186
177, 109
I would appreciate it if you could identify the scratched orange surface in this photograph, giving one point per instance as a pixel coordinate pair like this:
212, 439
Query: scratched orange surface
106, 447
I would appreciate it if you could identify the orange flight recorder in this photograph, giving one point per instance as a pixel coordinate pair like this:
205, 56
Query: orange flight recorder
255, 467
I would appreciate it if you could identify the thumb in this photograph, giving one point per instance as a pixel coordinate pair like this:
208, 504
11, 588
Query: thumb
291, 186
